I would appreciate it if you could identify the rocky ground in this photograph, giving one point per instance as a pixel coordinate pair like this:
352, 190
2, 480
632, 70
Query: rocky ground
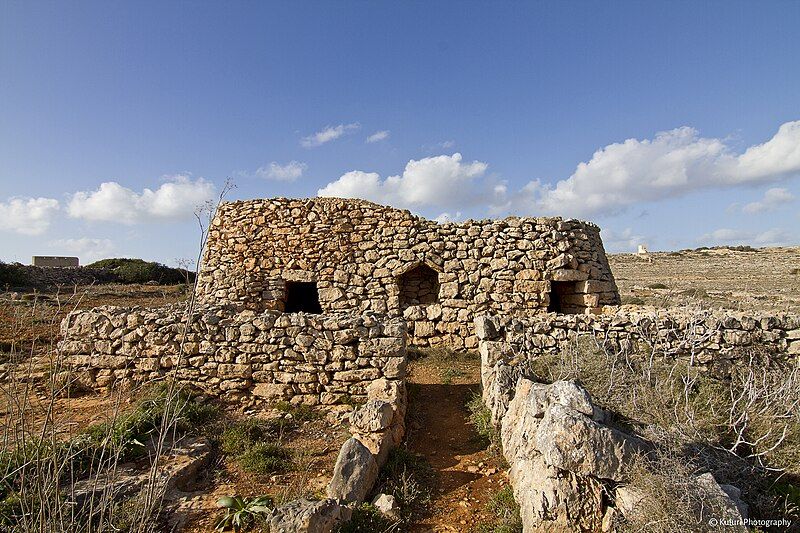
766, 279
468, 475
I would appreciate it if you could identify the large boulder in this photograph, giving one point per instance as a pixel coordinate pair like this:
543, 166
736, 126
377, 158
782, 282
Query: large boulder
551, 499
559, 456
306, 516
572, 441
354, 474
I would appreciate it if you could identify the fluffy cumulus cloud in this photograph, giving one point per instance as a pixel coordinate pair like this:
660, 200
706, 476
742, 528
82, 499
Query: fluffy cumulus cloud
672, 164
178, 198
378, 136
772, 200
723, 236
442, 181
328, 134
27, 216
87, 249
277, 172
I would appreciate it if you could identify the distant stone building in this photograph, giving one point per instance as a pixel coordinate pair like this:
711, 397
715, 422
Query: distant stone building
323, 255
53, 261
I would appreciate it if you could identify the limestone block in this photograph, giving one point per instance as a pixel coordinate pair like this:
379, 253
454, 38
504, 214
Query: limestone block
354, 474
307, 516
568, 275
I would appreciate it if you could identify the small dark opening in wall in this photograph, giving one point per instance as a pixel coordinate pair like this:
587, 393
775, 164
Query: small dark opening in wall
302, 297
418, 286
560, 292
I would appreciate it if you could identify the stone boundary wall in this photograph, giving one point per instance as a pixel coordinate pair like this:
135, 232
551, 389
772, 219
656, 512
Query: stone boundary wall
28, 276
368, 257
311, 359
710, 339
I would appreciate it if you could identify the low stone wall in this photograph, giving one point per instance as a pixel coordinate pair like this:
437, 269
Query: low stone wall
376, 428
710, 339
235, 355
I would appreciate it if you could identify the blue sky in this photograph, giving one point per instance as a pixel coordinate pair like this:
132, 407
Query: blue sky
672, 124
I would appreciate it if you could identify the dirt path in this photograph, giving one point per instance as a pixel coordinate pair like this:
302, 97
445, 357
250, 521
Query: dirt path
467, 474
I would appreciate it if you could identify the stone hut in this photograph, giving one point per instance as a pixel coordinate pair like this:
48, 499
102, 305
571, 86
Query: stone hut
324, 255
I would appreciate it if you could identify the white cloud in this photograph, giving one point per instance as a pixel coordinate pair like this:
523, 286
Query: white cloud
378, 136
277, 172
447, 217
443, 181
28, 216
722, 236
447, 144
772, 200
111, 202
672, 164
621, 241
88, 249
330, 133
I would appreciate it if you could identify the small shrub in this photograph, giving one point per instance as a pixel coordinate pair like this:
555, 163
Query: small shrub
250, 442
265, 458
13, 275
300, 412
451, 374
672, 501
367, 518
505, 511
409, 478
140, 271
481, 419
657, 286
128, 433
239, 436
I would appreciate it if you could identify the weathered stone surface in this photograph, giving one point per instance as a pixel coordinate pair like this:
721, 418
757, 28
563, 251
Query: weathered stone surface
571, 441
727, 497
238, 355
387, 505
554, 500
559, 456
307, 516
375, 415
367, 257
706, 338
354, 473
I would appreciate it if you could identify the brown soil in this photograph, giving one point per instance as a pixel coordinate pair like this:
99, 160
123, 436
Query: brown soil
314, 445
439, 430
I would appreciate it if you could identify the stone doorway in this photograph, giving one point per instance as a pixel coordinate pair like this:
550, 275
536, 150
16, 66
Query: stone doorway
564, 298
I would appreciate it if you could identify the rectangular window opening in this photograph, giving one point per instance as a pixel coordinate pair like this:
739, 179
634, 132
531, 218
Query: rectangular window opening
302, 297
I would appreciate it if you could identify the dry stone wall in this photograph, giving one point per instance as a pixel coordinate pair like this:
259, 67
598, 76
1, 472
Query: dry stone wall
710, 339
236, 355
367, 257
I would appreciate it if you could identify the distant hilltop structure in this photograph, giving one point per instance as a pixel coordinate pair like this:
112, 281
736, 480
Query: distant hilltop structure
53, 261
